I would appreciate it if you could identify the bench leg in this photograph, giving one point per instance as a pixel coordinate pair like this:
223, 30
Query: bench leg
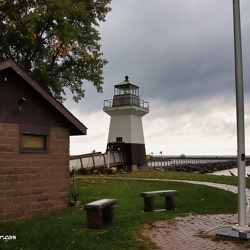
170, 202
148, 204
94, 219
108, 215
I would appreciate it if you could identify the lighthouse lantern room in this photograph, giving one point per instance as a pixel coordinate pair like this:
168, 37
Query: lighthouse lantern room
126, 110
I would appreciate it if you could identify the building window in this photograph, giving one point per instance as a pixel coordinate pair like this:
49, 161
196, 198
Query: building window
34, 139
118, 139
34, 142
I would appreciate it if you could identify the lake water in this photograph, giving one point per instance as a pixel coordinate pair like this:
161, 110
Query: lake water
233, 170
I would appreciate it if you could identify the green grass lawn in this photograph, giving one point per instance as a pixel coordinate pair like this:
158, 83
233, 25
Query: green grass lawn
66, 229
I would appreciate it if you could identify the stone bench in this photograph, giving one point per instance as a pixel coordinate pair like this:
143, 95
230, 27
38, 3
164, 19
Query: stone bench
99, 212
149, 199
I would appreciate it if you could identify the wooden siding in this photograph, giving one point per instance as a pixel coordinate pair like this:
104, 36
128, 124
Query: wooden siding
129, 127
135, 153
9, 72
33, 111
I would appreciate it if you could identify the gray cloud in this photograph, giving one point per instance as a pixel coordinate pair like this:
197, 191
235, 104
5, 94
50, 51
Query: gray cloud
173, 50
181, 55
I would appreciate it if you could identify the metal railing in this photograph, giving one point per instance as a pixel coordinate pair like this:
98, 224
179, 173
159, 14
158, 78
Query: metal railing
127, 101
95, 160
168, 161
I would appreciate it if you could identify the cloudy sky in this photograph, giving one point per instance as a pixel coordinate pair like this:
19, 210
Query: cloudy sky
181, 55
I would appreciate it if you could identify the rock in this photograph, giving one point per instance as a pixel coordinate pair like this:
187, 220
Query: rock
204, 168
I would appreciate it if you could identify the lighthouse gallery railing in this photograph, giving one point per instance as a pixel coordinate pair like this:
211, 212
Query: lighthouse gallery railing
127, 101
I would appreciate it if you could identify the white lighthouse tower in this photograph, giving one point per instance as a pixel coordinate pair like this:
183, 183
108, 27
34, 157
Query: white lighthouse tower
126, 131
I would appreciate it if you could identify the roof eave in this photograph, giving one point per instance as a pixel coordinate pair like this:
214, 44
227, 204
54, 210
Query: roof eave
77, 127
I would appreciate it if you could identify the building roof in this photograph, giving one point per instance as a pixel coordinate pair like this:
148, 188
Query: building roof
75, 126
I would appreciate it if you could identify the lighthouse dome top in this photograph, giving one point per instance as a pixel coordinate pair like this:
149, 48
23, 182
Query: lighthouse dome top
125, 88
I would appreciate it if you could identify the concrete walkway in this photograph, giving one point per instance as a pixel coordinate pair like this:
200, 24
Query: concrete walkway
197, 231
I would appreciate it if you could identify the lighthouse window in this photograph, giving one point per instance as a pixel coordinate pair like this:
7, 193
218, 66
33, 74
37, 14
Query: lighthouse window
126, 89
118, 139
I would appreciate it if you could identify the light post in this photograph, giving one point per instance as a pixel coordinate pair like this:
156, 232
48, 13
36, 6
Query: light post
240, 230
161, 158
152, 157
241, 226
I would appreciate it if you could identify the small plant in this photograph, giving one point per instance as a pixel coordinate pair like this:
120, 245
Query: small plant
112, 170
83, 171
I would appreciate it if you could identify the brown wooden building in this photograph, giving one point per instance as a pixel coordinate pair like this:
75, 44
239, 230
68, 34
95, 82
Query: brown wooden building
34, 146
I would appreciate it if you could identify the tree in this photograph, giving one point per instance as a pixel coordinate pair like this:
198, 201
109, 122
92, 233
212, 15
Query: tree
55, 41
182, 156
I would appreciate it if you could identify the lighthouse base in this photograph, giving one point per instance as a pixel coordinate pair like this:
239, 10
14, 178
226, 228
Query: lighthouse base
134, 153
143, 167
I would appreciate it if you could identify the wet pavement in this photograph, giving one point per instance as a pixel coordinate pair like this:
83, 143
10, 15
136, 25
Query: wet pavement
197, 231
194, 232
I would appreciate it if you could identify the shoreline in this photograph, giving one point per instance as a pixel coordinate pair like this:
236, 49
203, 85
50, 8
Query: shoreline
205, 168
